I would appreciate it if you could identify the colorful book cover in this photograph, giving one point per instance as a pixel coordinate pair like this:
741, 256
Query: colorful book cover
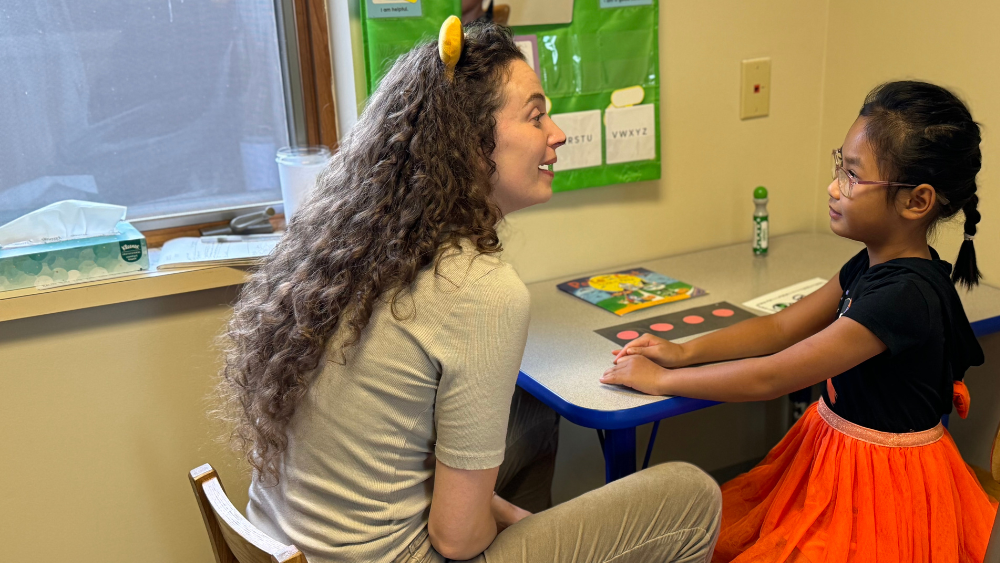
630, 290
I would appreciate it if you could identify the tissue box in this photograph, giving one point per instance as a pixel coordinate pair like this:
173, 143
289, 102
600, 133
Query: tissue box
75, 260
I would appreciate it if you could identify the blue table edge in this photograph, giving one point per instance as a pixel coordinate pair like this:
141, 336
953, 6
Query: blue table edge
610, 420
986, 326
635, 416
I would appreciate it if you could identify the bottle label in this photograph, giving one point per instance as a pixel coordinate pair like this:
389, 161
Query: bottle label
760, 235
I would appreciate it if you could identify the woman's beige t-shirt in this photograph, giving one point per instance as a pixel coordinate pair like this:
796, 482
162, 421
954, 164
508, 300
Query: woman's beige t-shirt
357, 476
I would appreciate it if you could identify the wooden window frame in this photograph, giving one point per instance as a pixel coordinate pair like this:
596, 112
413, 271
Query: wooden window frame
315, 64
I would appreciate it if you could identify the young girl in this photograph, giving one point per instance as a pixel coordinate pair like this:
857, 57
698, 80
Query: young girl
868, 473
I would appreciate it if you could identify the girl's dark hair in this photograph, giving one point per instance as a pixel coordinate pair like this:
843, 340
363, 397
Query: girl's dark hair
411, 180
923, 134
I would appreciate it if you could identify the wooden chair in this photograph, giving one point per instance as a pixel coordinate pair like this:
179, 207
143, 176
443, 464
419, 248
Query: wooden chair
234, 539
501, 13
991, 482
990, 478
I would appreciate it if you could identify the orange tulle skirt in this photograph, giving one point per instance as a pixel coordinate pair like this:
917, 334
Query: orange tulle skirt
833, 491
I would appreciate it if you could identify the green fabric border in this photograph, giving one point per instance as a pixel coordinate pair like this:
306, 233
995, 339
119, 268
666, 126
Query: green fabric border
385, 39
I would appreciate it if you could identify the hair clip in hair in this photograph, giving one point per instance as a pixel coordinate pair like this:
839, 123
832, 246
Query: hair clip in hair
970, 237
450, 45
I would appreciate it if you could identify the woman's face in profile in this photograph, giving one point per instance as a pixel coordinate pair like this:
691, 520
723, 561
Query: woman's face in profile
527, 139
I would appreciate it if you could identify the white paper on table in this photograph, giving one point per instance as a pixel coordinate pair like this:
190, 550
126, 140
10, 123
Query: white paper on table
631, 133
583, 139
188, 251
778, 300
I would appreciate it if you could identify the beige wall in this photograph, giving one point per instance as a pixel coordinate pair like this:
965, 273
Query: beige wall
711, 159
103, 414
953, 44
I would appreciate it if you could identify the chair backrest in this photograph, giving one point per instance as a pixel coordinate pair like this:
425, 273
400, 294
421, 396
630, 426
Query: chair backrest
234, 539
993, 548
995, 456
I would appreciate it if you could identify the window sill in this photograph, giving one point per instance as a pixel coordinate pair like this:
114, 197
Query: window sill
31, 302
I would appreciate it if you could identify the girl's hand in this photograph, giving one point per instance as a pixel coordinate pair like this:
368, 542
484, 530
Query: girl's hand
637, 372
663, 352
505, 513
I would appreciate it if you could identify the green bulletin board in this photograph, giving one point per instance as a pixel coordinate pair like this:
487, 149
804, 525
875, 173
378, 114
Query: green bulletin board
386, 38
601, 73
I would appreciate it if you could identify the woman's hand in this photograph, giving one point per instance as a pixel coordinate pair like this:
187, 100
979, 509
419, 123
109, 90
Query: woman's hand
663, 352
638, 372
505, 513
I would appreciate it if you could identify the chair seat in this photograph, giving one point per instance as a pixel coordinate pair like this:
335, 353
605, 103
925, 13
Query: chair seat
991, 487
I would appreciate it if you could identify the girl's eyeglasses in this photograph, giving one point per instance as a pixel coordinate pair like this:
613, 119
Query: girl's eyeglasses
847, 181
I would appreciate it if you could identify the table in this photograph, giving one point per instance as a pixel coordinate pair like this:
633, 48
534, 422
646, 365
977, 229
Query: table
564, 357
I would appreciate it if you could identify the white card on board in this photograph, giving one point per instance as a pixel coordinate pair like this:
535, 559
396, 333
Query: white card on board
631, 133
583, 139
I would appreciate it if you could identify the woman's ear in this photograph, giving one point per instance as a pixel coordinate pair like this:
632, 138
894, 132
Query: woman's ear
917, 203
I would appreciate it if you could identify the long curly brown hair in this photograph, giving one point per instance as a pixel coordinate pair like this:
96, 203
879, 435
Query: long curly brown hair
411, 180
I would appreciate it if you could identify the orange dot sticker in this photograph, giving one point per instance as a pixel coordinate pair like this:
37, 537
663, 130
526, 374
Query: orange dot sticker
693, 319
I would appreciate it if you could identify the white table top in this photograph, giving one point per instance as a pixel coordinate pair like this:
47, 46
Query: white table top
566, 356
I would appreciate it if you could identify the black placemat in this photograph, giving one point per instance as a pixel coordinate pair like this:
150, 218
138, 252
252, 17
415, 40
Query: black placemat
673, 325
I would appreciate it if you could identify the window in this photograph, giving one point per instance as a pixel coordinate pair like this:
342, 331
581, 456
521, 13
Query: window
169, 107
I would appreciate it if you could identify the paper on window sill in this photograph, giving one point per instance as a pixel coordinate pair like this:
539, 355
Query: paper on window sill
188, 252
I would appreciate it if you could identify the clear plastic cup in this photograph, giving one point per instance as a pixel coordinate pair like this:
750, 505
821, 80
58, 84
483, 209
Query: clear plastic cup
298, 168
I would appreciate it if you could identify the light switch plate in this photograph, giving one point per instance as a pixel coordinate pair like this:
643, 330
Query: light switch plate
755, 93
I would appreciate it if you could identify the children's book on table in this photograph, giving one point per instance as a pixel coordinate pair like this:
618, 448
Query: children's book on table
630, 290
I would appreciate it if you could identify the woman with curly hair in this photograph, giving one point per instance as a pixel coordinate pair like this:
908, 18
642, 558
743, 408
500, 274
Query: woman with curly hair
371, 360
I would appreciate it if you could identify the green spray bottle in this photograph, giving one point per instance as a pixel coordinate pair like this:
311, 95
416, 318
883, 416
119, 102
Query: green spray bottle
760, 223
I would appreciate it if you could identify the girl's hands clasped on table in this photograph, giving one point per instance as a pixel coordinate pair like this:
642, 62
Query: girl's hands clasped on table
663, 352
640, 363
637, 371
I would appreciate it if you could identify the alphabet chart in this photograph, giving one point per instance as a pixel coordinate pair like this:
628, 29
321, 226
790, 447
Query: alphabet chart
598, 61
601, 73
